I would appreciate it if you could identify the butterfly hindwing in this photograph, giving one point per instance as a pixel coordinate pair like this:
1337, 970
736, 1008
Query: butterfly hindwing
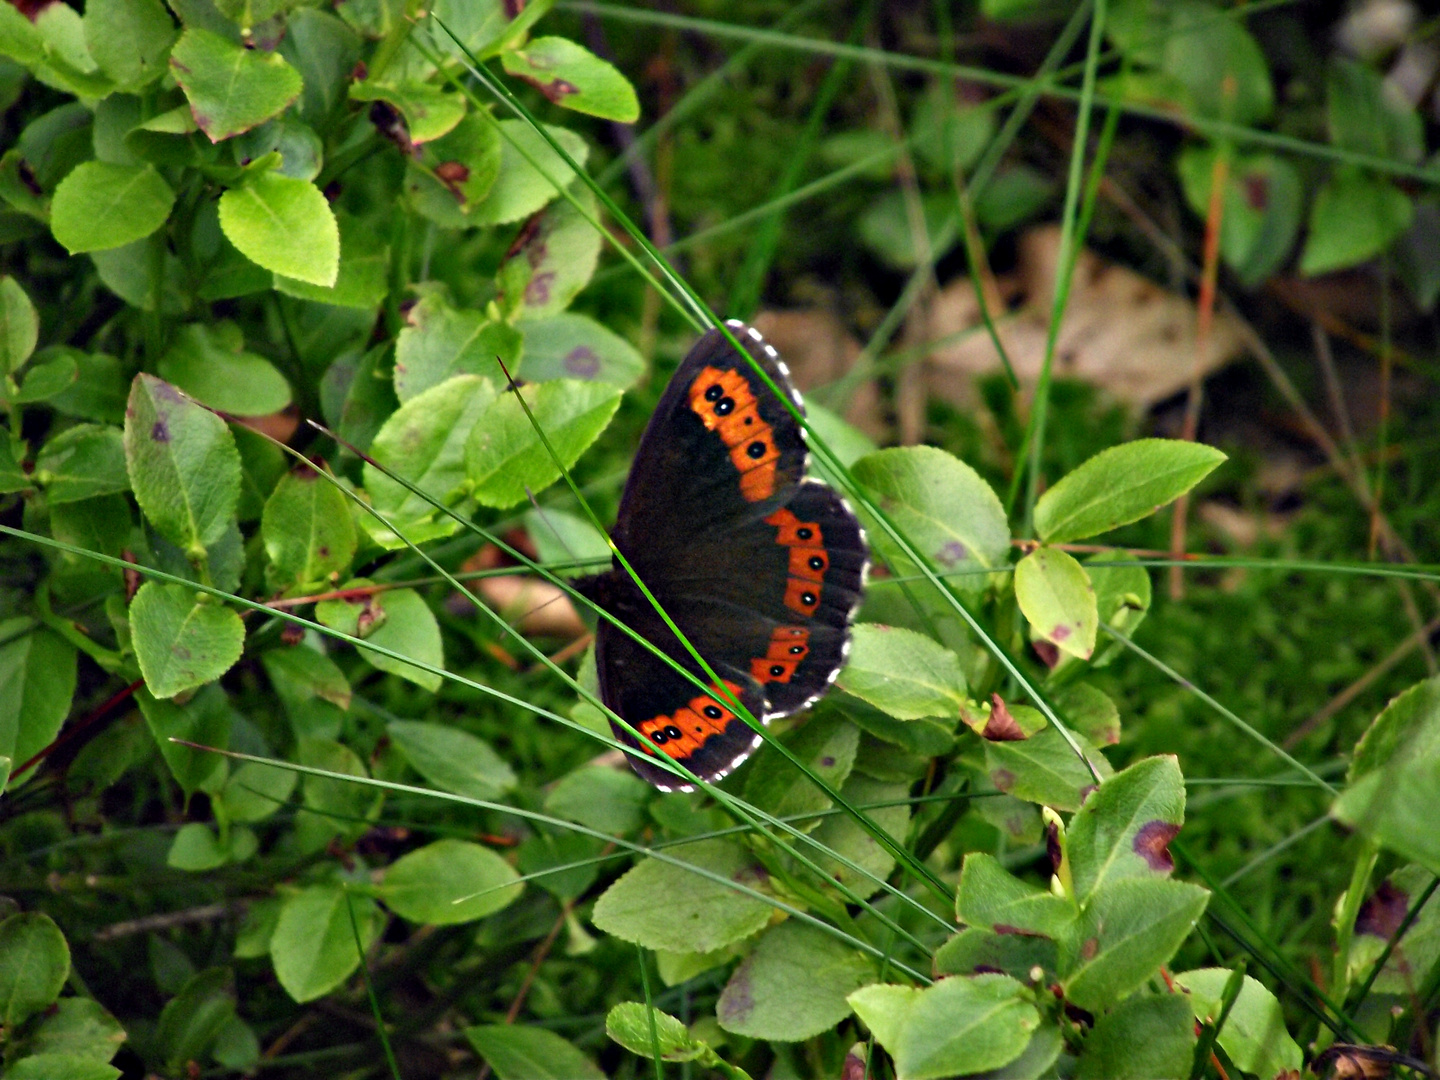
759, 568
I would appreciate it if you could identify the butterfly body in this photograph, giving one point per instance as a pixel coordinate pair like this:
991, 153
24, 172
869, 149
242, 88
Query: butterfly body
760, 568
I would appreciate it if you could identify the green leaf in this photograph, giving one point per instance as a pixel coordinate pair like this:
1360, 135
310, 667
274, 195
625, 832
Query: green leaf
129, 39
1122, 598
1417, 950
37, 681
424, 441
98, 392
256, 790
1254, 1036
1058, 600
1355, 217
450, 881
1217, 61
990, 896
363, 278
629, 1025
1091, 712
430, 111
949, 513
60, 1067
519, 188
554, 259
699, 913
1142, 1038
196, 848
792, 986
231, 88
469, 160
977, 949
1263, 203
194, 1018
963, 1024
452, 759
82, 462
101, 206
904, 673
183, 464
285, 225
79, 1028
826, 745
337, 807
572, 76
1124, 827
46, 378
523, 1053
1043, 769
252, 939
12, 477
205, 719
313, 947
606, 800
1128, 928
441, 341
312, 688
574, 346
209, 363
34, 963
19, 324
1122, 484
841, 834
182, 639
324, 50
1392, 792
504, 457
1370, 116
562, 538
308, 532
411, 630
67, 65
19, 39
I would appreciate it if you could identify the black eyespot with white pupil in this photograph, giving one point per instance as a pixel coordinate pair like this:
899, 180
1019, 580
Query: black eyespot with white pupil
672, 732
756, 449
804, 534
807, 598
776, 670
714, 393
796, 650
658, 738
713, 712
817, 563
725, 406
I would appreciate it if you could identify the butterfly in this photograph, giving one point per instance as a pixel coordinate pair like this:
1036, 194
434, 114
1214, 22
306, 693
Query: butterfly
758, 566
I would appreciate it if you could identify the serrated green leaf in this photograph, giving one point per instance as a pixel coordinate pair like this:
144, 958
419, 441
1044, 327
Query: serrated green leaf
1043, 769
554, 260
19, 324
468, 158
204, 719
699, 914
949, 513
573, 77
1127, 929
101, 206
571, 346
424, 441
505, 459
441, 342
1142, 1038
403, 623
524, 1053
520, 188
231, 88
990, 896
307, 528
903, 673
184, 468
1122, 484
209, 363
450, 881
792, 986
629, 1025
363, 278
1126, 824
285, 225
1058, 600
82, 462
129, 39
963, 1024
1254, 1036
452, 759
841, 834
313, 947
182, 640
80, 1028
606, 800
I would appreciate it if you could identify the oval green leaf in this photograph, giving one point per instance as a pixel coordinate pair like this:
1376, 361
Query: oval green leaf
285, 225
452, 759
307, 528
34, 963
577, 347
231, 88
313, 947
209, 363
1058, 600
573, 77
903, 673
793, 985
182, 640
1122, 484
101, 206
450, 881
524, 1053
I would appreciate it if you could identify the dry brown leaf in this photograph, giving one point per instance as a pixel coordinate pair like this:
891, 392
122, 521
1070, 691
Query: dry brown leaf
1121, 331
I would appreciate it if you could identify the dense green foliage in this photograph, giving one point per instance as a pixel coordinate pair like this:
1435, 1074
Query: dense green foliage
291, 783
